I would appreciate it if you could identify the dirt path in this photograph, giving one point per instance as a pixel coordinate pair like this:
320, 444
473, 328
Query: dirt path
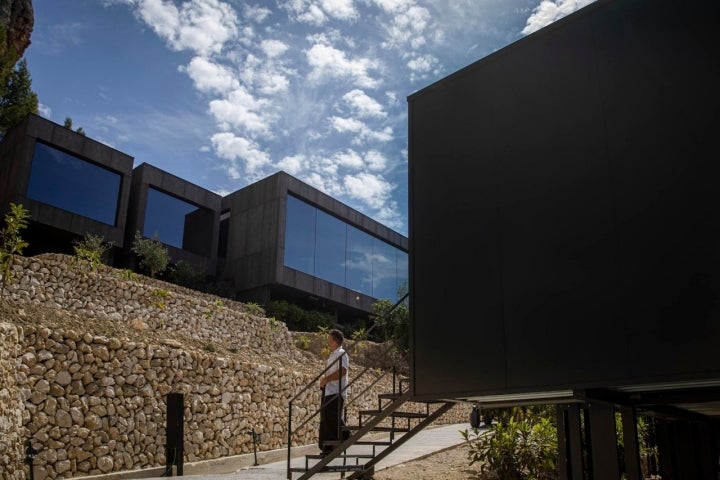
450, 464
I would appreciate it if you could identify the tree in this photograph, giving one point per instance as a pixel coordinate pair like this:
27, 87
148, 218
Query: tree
92, 249
394, 326
11, 242
154, 257
69, 125
18, 99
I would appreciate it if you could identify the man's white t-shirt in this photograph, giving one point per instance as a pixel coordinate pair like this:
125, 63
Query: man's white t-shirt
333, 387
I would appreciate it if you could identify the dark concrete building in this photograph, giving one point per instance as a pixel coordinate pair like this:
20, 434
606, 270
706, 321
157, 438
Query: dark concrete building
276, 239
576, 174
71, 184
180, 214
286, 239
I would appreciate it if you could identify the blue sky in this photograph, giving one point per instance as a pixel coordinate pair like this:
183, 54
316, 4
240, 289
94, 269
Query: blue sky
226, 92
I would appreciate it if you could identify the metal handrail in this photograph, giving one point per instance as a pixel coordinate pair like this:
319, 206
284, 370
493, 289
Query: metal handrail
341, 390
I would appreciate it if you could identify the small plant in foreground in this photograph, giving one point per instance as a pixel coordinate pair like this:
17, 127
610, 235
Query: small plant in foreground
11, 242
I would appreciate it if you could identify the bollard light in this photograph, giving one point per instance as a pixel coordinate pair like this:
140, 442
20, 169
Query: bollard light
255, 437
30, 453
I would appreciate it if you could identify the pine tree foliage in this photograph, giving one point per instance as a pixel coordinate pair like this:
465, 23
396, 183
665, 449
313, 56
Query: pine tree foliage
18, 99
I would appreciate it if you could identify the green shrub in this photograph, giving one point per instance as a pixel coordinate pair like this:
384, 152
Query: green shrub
302, 342
153, 255
522, 446
297, 318
186, 275
92, 249
11, 242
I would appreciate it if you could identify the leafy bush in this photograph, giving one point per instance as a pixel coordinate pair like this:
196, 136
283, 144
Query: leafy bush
11, 242
186, 275
394, 327
92, 249
523, 446
298, 319
154, 257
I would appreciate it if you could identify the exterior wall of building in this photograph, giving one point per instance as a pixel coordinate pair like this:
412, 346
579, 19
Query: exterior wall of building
200, 240
17, 158
253, 225
566, 179
256, 256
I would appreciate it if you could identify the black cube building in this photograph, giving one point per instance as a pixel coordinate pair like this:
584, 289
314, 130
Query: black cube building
576, 171
71, 184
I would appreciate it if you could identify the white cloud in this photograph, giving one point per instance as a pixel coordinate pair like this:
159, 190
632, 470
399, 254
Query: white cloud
393, 6
257, 13
364, 105
234, 148
330, 63
362, 131
548, 11
369, 188
273, 48
292, 164
340, 9
210, 77
202, 26
375, 161
242, 111
44, 110
408, 27
350, 159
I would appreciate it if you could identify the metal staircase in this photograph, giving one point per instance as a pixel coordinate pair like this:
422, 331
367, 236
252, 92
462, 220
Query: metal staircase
390, 421
399, 425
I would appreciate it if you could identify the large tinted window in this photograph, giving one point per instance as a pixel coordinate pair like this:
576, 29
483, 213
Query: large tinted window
321, 245
300, 235
178, 223
70, 183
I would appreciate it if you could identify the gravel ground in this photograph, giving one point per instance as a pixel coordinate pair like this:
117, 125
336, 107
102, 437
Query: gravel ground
450, 464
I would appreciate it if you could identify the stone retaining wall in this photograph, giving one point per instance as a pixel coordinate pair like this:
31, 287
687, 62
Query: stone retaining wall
11, 406
96, 403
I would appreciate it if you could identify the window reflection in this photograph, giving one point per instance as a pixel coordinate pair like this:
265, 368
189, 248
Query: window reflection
70, 183
178, 223
324, 246
358, 269
300, 235
330, 248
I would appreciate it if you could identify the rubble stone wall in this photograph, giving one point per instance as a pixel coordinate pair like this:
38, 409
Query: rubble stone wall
11, 406
95, 402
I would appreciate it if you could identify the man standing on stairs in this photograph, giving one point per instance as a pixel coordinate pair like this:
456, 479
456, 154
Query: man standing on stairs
334, 384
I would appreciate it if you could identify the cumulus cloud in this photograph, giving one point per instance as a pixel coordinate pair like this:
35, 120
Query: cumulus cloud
360, 129
369, 188
202, 26
210, 77
240, 110
340, 9
257, 13
236, 149
292, 164
549, 11
273, 48
330, 63
364, 105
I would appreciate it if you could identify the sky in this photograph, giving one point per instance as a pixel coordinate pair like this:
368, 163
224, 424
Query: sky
223, 93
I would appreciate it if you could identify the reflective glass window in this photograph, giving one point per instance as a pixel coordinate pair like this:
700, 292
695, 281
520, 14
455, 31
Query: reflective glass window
178, 223
70, 183
324, 246
300, 235
330, 248
358, 273
384, 270
402, 273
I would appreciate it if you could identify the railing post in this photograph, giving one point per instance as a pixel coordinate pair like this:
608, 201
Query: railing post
289, 443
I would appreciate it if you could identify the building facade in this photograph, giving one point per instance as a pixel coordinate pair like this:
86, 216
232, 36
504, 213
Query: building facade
278, 238
572, 169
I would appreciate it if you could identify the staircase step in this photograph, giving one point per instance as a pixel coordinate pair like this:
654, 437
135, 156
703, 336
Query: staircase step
318, 456
395, 414
380, 429
332, 468
389, 396
378, 443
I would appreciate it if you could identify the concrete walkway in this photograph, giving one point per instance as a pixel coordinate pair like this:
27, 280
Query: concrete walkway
428, 441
